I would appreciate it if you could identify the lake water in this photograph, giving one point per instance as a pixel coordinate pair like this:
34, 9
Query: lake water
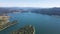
44, 24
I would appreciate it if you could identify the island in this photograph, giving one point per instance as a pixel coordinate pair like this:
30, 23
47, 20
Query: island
29, 29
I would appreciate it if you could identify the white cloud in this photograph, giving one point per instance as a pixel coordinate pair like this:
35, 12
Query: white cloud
20, 4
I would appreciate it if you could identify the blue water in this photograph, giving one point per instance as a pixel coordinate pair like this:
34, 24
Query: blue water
44, 24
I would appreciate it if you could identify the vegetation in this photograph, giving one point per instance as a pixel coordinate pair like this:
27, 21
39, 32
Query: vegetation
48, 11
24, 30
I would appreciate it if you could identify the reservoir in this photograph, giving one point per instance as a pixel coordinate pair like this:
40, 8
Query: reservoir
44, 24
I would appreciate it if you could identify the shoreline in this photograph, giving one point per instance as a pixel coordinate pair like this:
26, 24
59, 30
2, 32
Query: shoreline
7, 26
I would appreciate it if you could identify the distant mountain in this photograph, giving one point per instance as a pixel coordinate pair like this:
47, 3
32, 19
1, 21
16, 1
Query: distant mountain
48, 11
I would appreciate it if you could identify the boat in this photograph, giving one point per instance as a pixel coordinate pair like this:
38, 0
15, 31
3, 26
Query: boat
29, 29
5, 23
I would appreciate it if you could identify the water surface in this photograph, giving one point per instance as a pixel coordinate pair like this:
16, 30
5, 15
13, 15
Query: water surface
43, 24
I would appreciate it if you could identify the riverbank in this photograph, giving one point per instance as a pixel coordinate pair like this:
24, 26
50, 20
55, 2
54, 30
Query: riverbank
7, 25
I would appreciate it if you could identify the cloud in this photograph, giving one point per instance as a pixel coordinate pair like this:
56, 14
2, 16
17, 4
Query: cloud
23, 4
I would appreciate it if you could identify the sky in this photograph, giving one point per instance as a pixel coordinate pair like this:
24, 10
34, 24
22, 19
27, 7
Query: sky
30, 3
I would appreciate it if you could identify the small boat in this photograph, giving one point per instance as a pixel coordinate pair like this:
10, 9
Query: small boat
25, 30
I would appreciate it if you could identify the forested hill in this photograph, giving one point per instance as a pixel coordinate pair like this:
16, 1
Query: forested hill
47, 11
